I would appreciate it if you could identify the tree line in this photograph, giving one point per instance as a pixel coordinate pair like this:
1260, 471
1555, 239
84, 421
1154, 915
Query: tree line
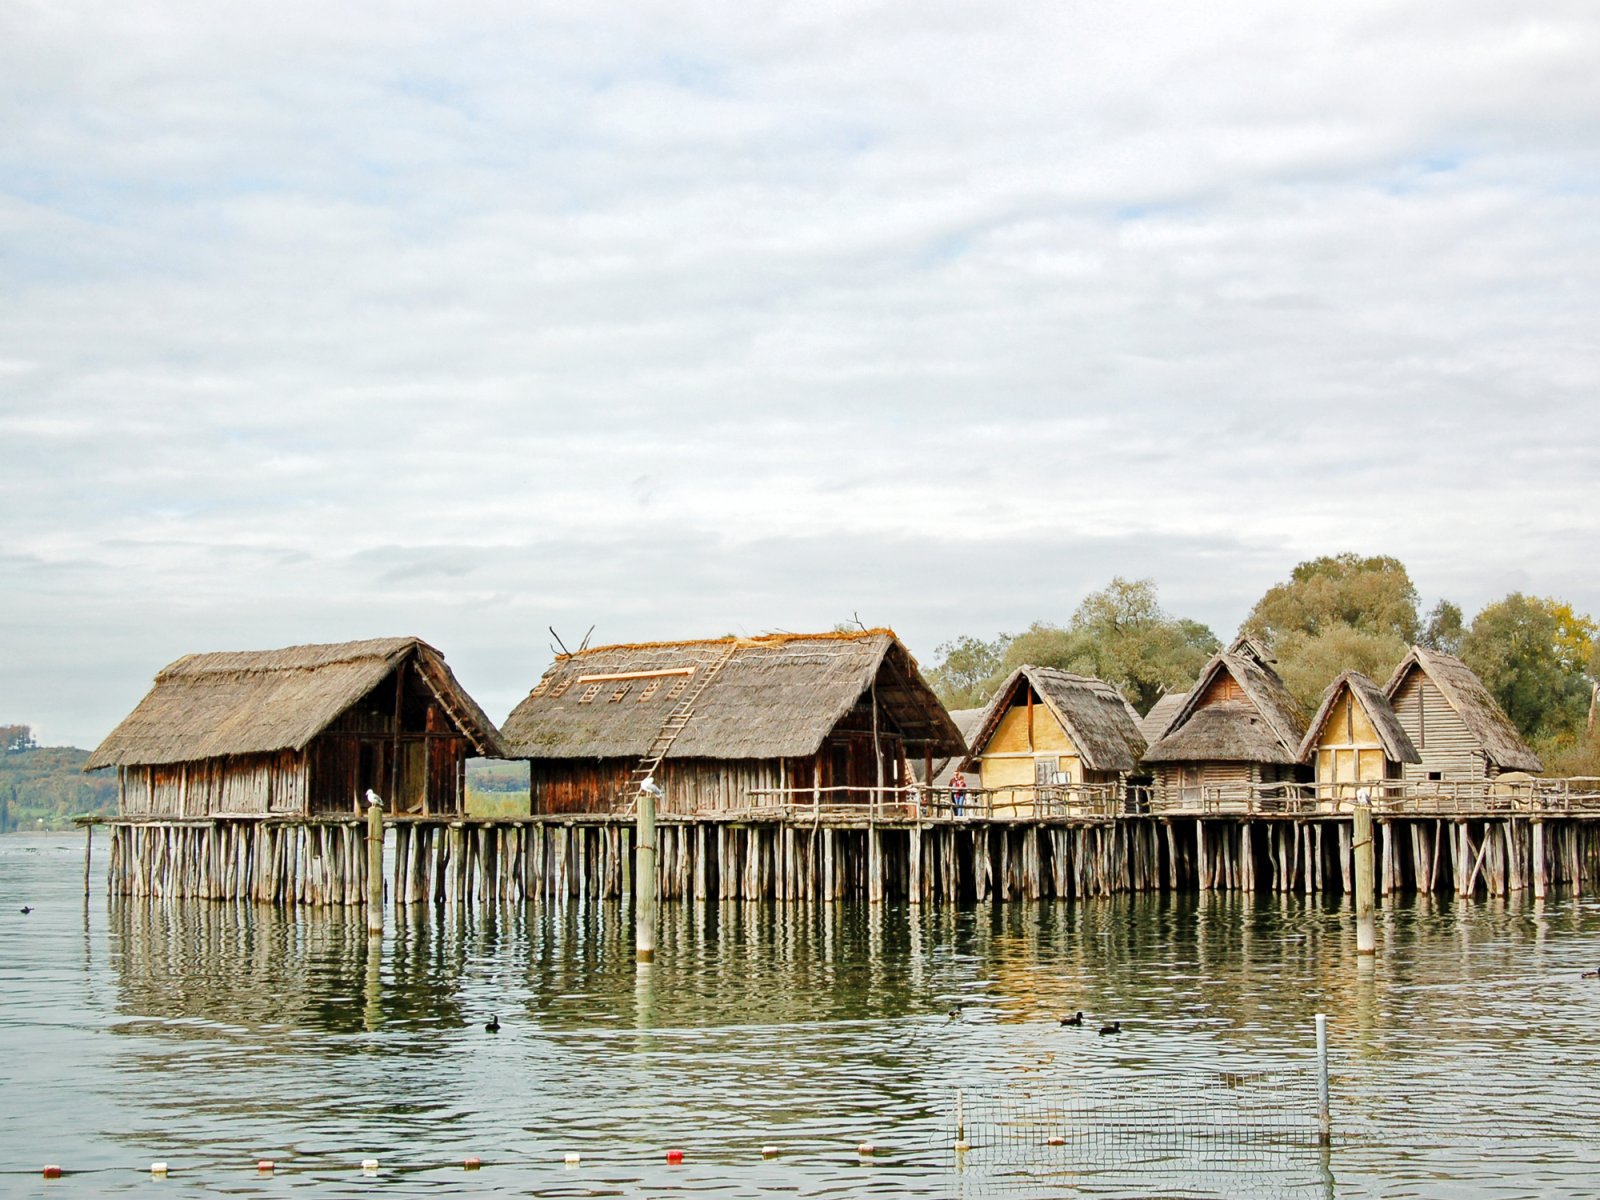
44, 787
1538, 657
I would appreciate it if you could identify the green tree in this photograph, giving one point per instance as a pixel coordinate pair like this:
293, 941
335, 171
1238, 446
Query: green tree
969, 670
1336, 613
1538, 659
1128, 639
1445, 629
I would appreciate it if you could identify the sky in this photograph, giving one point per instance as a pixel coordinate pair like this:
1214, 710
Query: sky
680, 319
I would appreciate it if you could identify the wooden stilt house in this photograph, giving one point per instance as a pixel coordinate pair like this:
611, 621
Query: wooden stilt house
728, 724
1460, 733
1354, 741
1052, 741
1235, 739
299, 731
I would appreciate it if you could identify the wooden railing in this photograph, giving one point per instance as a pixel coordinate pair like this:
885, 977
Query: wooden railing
1387, 797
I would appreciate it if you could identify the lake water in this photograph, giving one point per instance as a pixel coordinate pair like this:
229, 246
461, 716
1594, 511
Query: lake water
1465, 1061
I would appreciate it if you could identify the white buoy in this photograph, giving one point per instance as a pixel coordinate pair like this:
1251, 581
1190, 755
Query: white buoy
369, 1166
573, 1158
866, 1149
158, 1168
769, 1152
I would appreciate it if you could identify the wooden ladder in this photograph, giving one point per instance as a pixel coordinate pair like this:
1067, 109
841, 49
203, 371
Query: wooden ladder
676, 720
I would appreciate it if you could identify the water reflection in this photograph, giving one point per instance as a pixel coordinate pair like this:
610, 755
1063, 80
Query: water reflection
210, 1034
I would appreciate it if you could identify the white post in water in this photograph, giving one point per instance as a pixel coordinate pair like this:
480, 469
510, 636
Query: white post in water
1324, 1121
374, 864
1366, 934
644, 874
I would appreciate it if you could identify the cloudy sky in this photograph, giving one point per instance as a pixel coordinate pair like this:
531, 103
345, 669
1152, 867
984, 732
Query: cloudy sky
675, 319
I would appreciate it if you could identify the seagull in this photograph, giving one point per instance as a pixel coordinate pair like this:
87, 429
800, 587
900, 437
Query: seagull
1114, 1027
650, 785
26, 909
374, 798
493, 1025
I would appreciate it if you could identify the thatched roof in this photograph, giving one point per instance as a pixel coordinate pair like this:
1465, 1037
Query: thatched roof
1397, 745
261, 701
1265, 727
778, 696
1472, 702
1154, 724
1101, 724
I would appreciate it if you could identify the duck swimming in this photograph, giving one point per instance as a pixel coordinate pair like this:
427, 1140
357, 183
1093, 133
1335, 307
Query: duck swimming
1114, 1027
493, 1025
1075, 1019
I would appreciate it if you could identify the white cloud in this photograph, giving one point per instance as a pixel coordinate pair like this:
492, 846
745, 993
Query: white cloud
464, 320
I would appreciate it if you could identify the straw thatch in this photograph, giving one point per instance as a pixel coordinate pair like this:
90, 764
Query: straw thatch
778, 696
1265, 727
1154, 724
261, 701
1465, 693
1102, 725
1396, 743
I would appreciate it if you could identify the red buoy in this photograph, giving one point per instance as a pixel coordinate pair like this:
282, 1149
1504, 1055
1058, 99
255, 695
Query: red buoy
674, 1156
265, 1165
472, 1162
51, 1171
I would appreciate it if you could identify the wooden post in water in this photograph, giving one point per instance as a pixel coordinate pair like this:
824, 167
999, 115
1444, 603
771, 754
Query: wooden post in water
374, 865
644, 875
88, 849
1366, 934
1539, 871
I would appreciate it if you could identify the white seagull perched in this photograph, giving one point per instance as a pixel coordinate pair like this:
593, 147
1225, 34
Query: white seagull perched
374, 798
650, 785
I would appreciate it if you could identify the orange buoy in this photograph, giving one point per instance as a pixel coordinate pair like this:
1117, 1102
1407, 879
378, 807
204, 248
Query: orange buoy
866, 1149
1057, 1140
265, 1166
52, 1171
769, 1152
472, 1162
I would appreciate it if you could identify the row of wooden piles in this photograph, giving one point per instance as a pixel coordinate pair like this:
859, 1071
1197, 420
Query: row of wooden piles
464, 863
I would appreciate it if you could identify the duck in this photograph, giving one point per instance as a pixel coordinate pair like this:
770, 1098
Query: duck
1595, 974
1114, 1027
26, 909
1075, 1019
955, 1013
493, 1025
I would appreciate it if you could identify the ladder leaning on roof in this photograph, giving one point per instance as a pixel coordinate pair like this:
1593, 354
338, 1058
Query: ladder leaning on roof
673, 726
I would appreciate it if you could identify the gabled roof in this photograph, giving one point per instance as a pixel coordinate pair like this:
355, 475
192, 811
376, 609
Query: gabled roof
1465, 693
777, 696
1269, 725
1101, 724
966, 720
1154, 724
1397, 745
261, 701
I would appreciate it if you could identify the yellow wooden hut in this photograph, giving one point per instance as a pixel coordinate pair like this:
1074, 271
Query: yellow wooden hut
1355, 740
1460, 733
1053, 741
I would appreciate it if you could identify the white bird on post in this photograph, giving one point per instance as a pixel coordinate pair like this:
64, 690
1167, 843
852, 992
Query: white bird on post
374, 798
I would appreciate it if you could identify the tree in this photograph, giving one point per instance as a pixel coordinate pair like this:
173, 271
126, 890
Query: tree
1445, 629
1336, 613
1128, 639
1538, 659
969, 670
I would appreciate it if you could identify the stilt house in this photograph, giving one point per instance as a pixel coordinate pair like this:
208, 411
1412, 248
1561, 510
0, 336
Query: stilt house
1355, 739
1045, 734
1236, 735
730, 723
1460, 733
299, 731
1154, 724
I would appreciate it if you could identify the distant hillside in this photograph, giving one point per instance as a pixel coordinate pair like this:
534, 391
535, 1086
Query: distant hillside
44, 787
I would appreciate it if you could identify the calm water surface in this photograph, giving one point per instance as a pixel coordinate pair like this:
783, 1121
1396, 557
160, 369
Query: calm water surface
1465, 1062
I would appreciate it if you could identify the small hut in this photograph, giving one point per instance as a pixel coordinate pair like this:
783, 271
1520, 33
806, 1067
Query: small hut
300, 731
727, 724
1355, 739
1235, 738
1459, 732
1045, 734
